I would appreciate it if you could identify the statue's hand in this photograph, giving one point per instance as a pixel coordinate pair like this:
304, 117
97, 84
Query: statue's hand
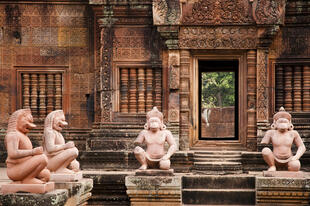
69, 144
294, 158
165, 157
37, 151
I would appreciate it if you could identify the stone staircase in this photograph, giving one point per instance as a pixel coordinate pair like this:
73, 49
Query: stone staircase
217, 162
218, 190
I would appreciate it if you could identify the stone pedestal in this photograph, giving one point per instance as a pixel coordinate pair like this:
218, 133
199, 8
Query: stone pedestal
54, 198
298, 174
282, 191
65, 177
154, 190
15, 187
78, 192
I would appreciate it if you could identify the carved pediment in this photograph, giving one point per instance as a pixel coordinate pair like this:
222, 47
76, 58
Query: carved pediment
268, 11
166, 12
215, 12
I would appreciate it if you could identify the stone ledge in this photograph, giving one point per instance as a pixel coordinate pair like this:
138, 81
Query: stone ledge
14, 187
53, 198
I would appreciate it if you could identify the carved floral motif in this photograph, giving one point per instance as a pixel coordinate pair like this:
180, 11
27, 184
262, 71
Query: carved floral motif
269, 12
227, 37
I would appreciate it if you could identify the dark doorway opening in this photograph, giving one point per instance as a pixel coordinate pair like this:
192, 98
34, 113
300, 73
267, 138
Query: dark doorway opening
218, 100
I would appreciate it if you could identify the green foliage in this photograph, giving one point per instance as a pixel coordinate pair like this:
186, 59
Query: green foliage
217, 89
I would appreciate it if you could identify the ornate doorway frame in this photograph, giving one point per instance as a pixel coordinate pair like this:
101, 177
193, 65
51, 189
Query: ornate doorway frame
241, 56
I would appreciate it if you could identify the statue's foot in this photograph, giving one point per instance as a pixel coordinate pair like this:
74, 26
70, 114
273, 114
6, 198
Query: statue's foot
64, 170
143, 167
32, 181
272, 169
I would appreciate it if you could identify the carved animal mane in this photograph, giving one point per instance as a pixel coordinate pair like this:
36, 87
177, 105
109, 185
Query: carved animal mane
48, 123
12, 126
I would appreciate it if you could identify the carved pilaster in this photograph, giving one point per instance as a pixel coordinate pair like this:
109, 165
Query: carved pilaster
42, 95
262, 92
288, 105
174, 84
124, 90
306, 89
26, 91
297, 89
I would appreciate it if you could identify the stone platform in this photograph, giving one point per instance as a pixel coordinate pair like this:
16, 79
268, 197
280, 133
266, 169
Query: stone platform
282, 191
14, 187
78, 192
53, 198
154, 190
64, 177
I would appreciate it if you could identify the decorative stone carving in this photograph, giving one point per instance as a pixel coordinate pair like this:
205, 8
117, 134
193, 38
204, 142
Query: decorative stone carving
174, 74
205, 12
225, 37
155, 135
262, 97
282, 136
26, 165
61, 156
268, 12
166, 12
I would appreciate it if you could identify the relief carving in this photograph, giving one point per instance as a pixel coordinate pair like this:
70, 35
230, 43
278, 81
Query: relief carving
166, 12
227, 37
268, 12
174, 74
262, 99
217, 12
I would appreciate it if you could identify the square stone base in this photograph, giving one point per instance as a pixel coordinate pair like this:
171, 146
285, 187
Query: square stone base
282, 191
154, 190
14, 187
79, 192
65, 177
54, 198
154, 172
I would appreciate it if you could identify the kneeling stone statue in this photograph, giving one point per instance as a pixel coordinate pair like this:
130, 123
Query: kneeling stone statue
154, 136
282, 136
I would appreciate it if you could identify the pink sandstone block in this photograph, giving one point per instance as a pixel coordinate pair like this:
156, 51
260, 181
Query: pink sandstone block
65, 177
298, 174
14, 187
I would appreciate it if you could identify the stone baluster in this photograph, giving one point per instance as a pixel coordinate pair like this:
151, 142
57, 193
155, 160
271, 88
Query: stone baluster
158, 88
288, 105
149, 89
58, 91
297, 89
26, 91
132, 90
124, 90
34, 95
141, 90
279, 87
50, 93
306, 89
42, 96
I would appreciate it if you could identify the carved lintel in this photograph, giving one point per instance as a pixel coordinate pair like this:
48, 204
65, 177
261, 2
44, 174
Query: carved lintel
171, 35
174, 69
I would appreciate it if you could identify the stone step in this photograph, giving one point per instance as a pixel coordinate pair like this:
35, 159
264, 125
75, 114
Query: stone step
216, 159
217, 163
218, 152
217, 168
218, 182
216, 156
219, 196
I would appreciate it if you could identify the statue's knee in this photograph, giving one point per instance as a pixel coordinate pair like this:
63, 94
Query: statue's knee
138, 150
294, 165
42, 159
266, 151
75, 165
164, 164
74, 151
45, 173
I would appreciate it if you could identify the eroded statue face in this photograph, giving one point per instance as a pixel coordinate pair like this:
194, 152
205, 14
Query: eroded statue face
283, 124
59, 122
154, 124
25, 123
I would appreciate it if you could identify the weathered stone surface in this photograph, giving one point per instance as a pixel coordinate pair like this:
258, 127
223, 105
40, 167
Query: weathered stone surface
54, 198
282, 191
14, 187
154, 172
66, 177
298, 174
152, 190
79, 192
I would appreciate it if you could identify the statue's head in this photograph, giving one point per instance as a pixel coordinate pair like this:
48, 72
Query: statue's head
282, 121
154, 120
21, 120
55, 120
